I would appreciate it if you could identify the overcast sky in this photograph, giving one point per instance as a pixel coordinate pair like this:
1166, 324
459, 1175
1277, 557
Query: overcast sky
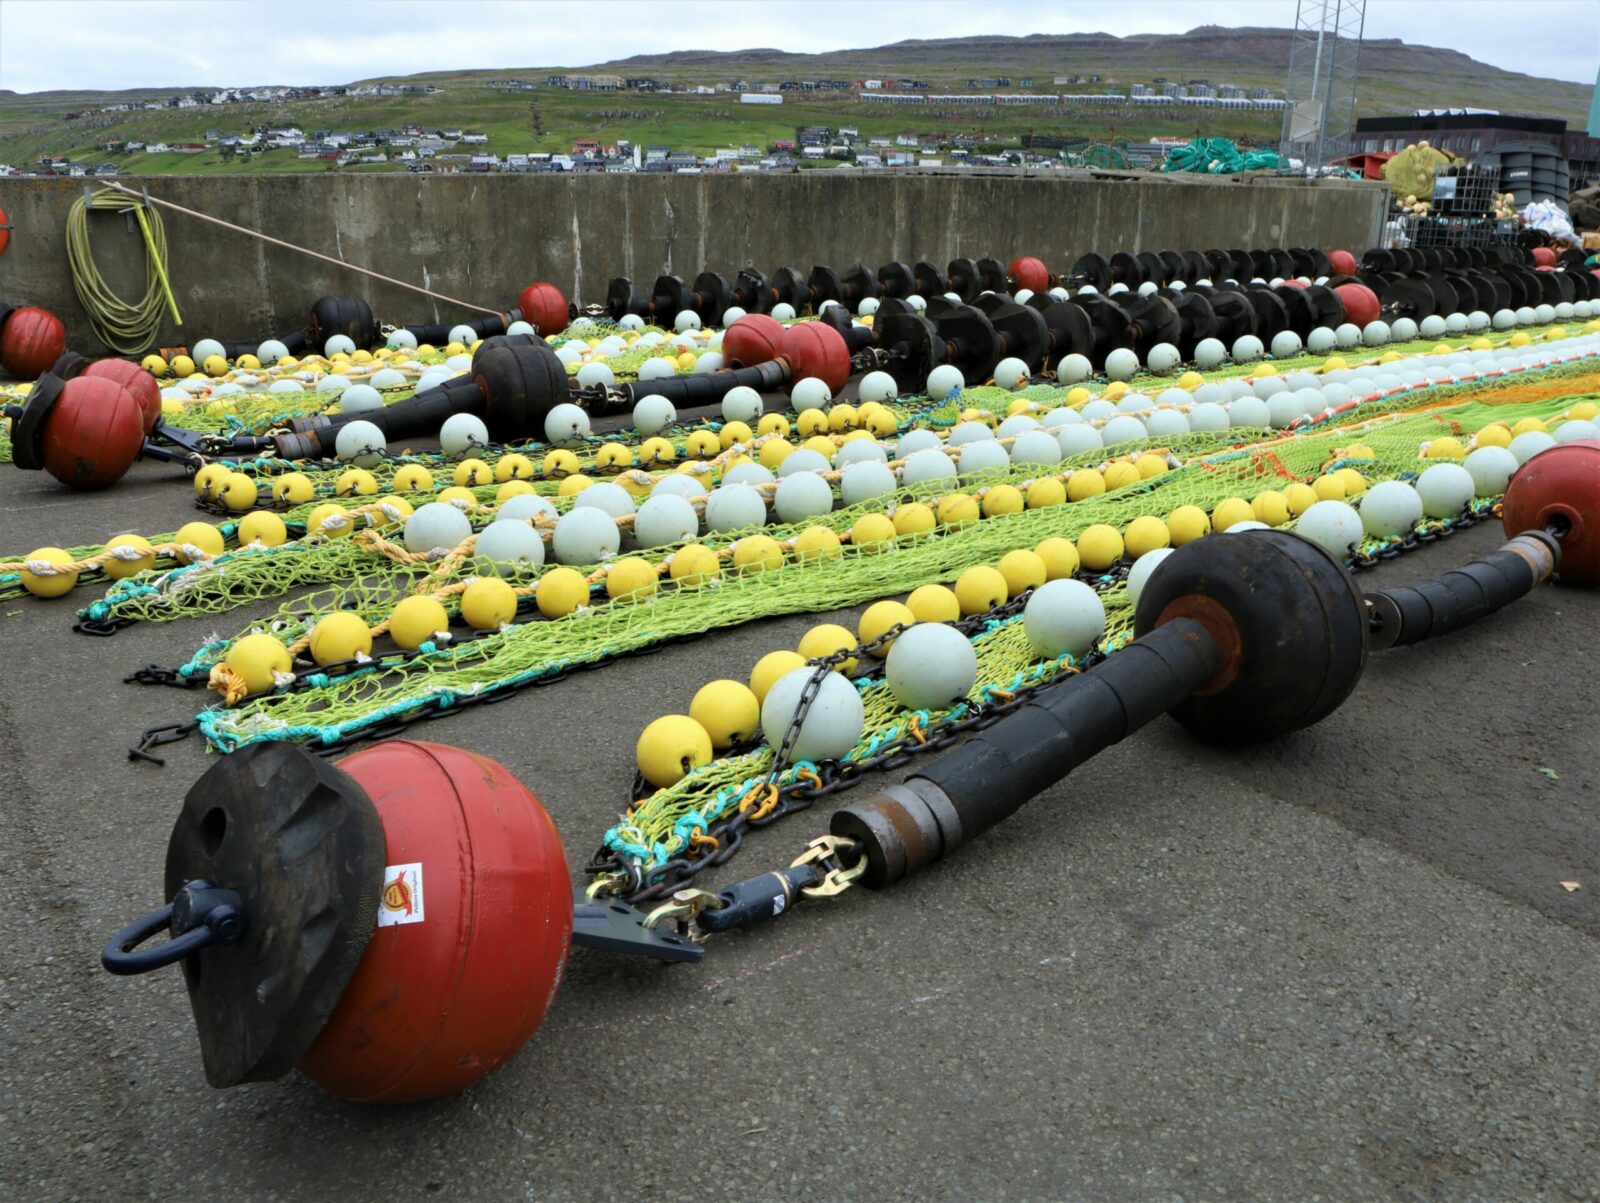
46, 44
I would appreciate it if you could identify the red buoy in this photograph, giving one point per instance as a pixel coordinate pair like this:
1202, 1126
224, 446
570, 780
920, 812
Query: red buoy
544, 307
92, 434
474, 923
1360, 303
1559, 490
1344, 263
754, 338
137, 381
5, 231
1029, 273
1544, 256
31, 339
817, 349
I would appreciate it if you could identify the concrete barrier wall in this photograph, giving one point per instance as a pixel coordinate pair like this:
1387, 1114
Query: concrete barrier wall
482, 238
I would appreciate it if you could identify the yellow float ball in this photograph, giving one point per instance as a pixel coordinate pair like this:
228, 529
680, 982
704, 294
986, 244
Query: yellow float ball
1441, 349
817, 543
1191, 381
957, 509
1359, 451
1060, 557
822, 445
934, 603
560, 592
118, 569
828, 639
1445, 448
1099, 547
1262, 370
770, 668
810, 422
1121, 474
415, 621
694, 564
687, 359
385, 511
842, 418
1354, 483
1116, 390
1583, 411
1230, 510
340, 636
701, 443
1270, 507
329, 520
1150, 465
631, 577
155, 365
999, 500
1496, 434
1299, 498
413, 478
488, 603
728, 711
773, 424
263, 527
49, 584
362, 356
613, 455
209, 481
882, 422
560, 462
202, 536
215, 365
872, 531
980, 589
472, 472
1020, 406
239, 491
1146, 534
913, 518
511, 467
1389, 357
467, 498
879, 618
1334, 363
1328, 488
255, 658
773, 452
734, 432
1520, 339
182, 365
573, 485
1046, 492
1078, 396
1527, 424
1023, 570
1481, 344
355, 482
657, 450
673, 746
1187, 523
294, 487
757, 553
1085, 482
512, 488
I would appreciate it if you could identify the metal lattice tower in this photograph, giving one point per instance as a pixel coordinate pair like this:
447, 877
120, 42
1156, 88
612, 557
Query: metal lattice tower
1321, 92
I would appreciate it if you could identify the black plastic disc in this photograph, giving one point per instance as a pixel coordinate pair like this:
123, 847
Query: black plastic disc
896, 279
1093, 269
965, 281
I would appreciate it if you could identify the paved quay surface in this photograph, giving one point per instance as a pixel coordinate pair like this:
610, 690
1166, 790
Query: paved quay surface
1340, 967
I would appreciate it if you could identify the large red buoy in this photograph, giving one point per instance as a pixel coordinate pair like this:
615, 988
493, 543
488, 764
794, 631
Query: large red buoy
474, 922
137, 381
544, 307
1344, 263
817, 349
86, 432
1029, 273
754, 338
31, 339
1360, 303
1559, 490
1544, 256
5, 231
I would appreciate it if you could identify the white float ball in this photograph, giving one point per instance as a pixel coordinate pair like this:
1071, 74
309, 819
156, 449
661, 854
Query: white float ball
1285, 344
678, 484
1208, 416
585, 535
1122, 364
877, 386
1075, 440
1063, 616
990, 456
1375, 333
832, 724
1125, 428
927, 465
437, 526
1163, 358
1247, 348
1445, 490
506, 546
1249, 411
591, 374
528, 506
1036, 447
1491, 469
270, 352
566, 423
1333, 525
750, 473
1504, 319
1526, 315
1390, 508
868, 306
398, 340
1142, 569
1282, 409
1209, 353
653, 414
1093, 411
1167, 424
1529, 443
665, 518
460, 433
1073, 368
801, 496
1348, 335
1015, 425
1403, 330
1576, 428
1011, 373
803, 460
731, 314
915, 303
606, 497
1321, 341
810, 393
686, 320
916, 440
944, 380
360, 443
864, 481
858, 451
783, 312
463, 334
520, 327
1148, 288
931, 666
386, 378
709, 361
1061, 415
657, 367
1477, 320
963, 433
734, 507
742, 404
207, 347
569, 355
328, 384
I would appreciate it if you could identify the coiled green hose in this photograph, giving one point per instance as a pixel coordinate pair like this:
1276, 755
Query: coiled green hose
128, 329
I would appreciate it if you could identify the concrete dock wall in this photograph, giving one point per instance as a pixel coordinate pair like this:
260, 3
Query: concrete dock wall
482, 238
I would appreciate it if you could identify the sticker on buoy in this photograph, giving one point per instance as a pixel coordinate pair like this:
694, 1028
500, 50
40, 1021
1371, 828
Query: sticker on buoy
402, 896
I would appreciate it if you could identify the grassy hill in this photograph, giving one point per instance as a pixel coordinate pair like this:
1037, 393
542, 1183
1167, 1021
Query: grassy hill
1395, 77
